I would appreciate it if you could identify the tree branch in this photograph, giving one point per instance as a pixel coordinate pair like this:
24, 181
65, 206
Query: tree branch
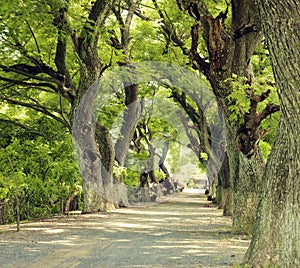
63, 28
28, 71
34, 37
36, 107
268, 110
198, 62
39, 65
194, 143
169, 30
124, 28
27, 128
245, 29
96, 19
28, 84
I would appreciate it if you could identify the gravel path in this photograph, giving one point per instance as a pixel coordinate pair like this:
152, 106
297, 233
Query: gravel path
185, 231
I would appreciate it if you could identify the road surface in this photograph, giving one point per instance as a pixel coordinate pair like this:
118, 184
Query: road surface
184, 231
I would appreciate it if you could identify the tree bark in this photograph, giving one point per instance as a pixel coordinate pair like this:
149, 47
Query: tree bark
245, 170
225, 190
245, 192
277, 224
131, 116
69, 201
95, 164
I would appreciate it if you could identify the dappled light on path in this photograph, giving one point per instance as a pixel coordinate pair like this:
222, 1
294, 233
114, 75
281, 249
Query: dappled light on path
185, 231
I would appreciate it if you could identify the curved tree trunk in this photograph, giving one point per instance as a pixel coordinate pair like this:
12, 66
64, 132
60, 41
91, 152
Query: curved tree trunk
276, 236
95, 163
161, 163
130, 120
70, 199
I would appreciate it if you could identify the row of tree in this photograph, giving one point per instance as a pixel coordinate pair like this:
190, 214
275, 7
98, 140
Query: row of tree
54, 53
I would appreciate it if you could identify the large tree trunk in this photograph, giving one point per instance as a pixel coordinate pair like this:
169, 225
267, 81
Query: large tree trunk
95, 164
245, 175
161, 163
107, 153
97, 180
277, 225
245, 170
229, 53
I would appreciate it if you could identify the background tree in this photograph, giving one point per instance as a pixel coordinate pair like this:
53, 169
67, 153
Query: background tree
45, 52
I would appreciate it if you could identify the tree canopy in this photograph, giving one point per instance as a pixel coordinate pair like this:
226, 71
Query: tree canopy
141, 125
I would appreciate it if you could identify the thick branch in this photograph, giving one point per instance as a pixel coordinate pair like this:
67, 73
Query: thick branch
39, 65
61, 46
198, 62
268, 110
96, 19
142, 16
245, 29
254, 100
124, 27
60, 55
87, 43
28, 71
28, 84
31, 72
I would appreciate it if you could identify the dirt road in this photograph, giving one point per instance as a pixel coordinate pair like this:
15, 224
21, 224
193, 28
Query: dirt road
184, 231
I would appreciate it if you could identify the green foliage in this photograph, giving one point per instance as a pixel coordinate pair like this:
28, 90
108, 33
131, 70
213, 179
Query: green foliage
265, 149
242, 92
204, 156
132, 177
215, 7
159, 175
190, 183
45, 168
271, 124
119, 172
238, 97
40, 147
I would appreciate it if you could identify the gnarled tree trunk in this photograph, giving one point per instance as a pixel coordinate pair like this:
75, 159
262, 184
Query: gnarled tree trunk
95, 162
229, 52
277, 225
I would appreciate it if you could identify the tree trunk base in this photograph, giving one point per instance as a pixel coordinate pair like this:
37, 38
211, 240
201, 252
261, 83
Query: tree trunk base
96, 201
244, 212
121, 195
